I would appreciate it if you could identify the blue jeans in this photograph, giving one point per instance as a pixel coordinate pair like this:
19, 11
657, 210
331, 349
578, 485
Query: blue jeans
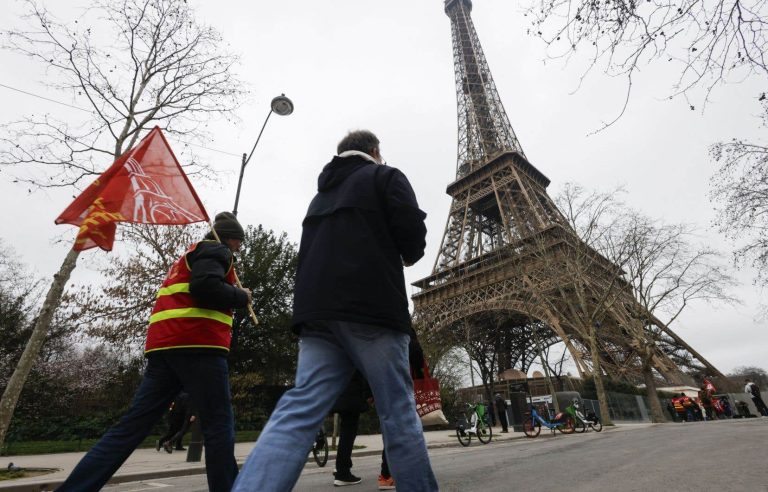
205, 377
327, 358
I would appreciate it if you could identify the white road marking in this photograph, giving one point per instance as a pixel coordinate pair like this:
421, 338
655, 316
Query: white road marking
152, 486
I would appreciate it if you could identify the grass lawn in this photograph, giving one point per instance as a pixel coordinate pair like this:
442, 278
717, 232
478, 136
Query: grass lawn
10, 475
34, 472
45, 447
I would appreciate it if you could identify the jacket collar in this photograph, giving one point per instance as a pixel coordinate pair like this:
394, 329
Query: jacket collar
349, 153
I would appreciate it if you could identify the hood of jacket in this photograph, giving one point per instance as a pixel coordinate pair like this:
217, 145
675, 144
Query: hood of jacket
340, 168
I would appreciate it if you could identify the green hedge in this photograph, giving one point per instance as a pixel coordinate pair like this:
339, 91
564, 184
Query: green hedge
70, 446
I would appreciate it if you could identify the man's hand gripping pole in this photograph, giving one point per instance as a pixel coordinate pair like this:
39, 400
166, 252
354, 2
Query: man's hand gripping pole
237, 281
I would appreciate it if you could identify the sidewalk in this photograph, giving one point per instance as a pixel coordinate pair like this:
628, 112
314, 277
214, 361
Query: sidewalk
146, 464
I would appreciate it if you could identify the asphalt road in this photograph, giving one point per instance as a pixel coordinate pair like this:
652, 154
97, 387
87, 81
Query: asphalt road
702, 456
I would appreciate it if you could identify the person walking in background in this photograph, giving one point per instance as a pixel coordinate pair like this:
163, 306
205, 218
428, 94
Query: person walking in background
350, 404
351, 312
180, 417
754, 392
705, 401
385, 480
501, 408
187, 341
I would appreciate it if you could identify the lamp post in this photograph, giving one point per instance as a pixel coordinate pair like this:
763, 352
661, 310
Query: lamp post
280, 105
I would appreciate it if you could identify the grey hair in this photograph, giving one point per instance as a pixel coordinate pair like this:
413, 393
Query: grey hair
362, 140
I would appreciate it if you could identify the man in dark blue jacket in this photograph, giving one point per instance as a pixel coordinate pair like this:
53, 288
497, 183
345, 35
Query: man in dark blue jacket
351, 312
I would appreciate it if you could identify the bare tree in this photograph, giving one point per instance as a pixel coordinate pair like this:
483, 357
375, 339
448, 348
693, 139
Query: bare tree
656, 271
556, 364
710, 43
756, 374
594, 283
667, 272
739, 189
481, 344
659, 272
131, 64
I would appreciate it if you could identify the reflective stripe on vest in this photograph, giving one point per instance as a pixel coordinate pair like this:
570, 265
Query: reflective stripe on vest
173, 289
191, 313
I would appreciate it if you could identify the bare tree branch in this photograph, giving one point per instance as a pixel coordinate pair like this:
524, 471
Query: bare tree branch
739, 190
161, 68
710, 43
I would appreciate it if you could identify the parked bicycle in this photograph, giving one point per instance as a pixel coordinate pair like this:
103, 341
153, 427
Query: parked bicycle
534, 421
476, 425
581, 421
320, 448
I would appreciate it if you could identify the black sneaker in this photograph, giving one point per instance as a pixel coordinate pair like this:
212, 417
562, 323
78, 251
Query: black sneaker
348, 479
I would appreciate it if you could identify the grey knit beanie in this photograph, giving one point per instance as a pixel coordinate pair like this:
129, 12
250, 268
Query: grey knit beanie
227, 226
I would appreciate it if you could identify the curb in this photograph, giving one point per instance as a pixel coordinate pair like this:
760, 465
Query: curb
44, 486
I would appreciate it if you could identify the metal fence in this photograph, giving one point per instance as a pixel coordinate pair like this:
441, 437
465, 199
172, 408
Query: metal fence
622, 407
593, 405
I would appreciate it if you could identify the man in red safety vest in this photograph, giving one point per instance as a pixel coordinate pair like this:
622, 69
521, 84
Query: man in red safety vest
186, 347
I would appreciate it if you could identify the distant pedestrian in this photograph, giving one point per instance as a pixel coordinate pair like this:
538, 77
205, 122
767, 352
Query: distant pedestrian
671, 411
351, 312
350, 404
705, 401
180, 417
385, 480
187, 341
501, 408
754, 392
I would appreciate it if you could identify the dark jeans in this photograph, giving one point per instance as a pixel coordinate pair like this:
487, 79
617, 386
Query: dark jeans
348, 426
179, 425
503, 418
178, 438
761, 408
205, 377
348, 422
176, 423
384, 465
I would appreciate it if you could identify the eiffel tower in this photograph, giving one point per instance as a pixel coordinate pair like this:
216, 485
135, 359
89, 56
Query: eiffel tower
507, 256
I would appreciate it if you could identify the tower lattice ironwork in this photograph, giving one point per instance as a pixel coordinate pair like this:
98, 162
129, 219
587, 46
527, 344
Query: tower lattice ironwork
509, 262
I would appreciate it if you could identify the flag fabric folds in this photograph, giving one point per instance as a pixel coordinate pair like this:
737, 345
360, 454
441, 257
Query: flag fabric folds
145, 185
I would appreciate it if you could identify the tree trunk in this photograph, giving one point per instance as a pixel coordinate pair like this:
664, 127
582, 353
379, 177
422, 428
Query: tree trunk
597, 374
657, 414
32, 350
471, 370
548, 378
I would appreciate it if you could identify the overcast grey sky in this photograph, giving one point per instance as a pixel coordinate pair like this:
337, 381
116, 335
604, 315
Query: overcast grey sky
388, 66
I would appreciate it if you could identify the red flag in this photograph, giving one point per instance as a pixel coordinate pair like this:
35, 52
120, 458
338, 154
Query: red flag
146, 185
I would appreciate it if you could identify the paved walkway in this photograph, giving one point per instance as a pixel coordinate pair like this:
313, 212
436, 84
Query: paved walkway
145, 464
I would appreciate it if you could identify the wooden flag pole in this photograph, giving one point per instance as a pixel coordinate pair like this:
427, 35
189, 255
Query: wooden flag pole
237, 280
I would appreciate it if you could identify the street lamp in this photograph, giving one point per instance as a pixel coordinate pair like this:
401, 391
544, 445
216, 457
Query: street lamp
280, 105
